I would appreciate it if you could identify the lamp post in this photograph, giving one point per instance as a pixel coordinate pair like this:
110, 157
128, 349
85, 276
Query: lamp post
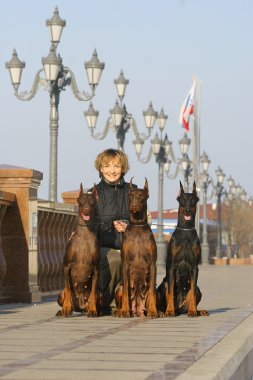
56, 78
219, 192
185, 161
230, 213
205, 181
160, 148
187, 170
120, 120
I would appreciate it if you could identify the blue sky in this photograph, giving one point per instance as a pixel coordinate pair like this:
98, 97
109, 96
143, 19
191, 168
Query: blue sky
159, 45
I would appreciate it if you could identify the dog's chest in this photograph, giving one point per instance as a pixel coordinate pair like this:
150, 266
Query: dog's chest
137, 236
83, 245
182, 237
138, 245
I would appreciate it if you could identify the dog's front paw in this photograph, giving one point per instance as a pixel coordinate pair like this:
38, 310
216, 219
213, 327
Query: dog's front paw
92, 314
67, 312
192, 313
152, 314
203, 313
170, 313
59, 313
124, 314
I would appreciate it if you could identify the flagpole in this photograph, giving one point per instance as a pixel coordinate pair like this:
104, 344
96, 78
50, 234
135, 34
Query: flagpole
196, 142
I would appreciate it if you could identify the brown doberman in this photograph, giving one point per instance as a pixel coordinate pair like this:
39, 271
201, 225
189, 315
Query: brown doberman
178, 292
137, 296
81, 261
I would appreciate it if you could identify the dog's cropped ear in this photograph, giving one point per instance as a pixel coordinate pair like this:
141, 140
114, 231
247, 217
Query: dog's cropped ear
181, 191
194, 190
130, 184
95, 191
81, 189
146, 187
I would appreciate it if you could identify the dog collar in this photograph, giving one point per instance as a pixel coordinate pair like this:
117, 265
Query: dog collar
186, 229
83, 225
138, 225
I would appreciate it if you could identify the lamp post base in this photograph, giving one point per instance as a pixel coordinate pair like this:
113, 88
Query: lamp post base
220, 260
161, 254
204, 253
219, 253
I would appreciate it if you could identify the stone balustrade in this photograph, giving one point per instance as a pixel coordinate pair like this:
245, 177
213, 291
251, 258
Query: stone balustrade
33, 237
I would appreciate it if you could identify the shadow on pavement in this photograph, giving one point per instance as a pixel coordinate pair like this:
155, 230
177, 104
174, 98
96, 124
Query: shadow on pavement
221, 310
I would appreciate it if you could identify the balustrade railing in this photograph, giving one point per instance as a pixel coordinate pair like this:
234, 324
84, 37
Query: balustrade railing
55, 225
51, 228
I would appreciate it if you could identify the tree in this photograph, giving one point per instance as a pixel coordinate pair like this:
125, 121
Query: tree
237, 216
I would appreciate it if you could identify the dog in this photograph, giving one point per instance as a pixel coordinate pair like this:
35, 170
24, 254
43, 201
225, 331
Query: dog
81, 261
178, 292
137, 295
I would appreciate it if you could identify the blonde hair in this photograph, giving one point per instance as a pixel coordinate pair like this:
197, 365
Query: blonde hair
111, 154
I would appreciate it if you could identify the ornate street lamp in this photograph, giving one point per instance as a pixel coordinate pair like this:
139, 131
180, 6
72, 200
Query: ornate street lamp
230, 195
184, 144
119, 120
187, 170
243, 195
56, 78
185, 162
161, 148
205, 181
219, 192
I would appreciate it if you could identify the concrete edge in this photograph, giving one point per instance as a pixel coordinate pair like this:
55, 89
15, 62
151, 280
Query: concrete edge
226, 357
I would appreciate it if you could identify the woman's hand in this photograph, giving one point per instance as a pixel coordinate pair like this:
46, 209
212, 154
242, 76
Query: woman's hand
119, 225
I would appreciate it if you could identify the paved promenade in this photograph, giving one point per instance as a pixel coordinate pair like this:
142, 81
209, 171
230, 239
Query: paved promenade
36, 345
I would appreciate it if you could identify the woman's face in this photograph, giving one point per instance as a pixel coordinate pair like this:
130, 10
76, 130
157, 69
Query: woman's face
111, 170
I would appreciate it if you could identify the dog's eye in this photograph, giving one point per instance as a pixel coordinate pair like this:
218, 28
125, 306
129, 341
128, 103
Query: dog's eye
182, 201
192, 202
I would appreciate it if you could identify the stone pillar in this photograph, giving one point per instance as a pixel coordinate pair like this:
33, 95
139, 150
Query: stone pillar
19, 231
6, 200
70, 197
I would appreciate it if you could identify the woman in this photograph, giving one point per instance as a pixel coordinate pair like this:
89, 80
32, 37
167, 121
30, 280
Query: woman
112, 218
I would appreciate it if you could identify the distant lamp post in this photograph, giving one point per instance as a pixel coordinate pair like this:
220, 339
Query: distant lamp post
56, 78
219, 189
243, 195
183, 163
120, 120
230, 195
187, 170
184, 144
205, 181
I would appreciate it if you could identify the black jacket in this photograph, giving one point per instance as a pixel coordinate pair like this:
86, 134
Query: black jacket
112, 205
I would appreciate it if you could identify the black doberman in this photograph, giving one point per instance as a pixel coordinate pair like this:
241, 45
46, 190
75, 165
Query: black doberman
178, 292
137, 295
81, 261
